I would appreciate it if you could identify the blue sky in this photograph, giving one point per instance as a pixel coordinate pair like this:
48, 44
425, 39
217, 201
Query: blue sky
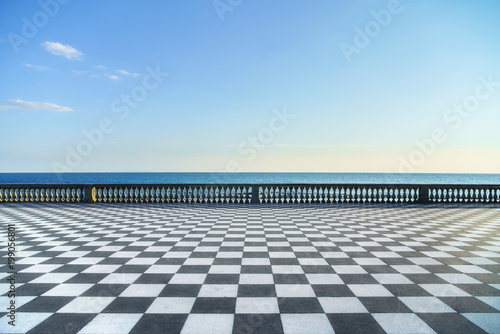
318, 86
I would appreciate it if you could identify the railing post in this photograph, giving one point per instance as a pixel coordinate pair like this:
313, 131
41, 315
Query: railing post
88, 193
424, 195
255, 194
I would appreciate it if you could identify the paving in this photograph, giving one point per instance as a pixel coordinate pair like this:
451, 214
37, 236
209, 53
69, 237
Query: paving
225, 268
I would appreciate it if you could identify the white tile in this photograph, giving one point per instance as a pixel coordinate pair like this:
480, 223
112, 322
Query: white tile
218, 290
142, 261
223, 269
426, 261
306, 324
458, 279
180, 305
142, 290
294, 290
251, 261
208, 324
312, 261
479, 260
402, 323
444, 290
86, 305
345, 269
112, 323
369, 261
41, 268
32, 260
287, 269
256, 279
127, 278
410, 269
386, 255
87, 260
392, 279
163, 269
198, 262
68, 290
259, 305
53, 278
288, 255
492, 301
490, 322
101, 269
470, 269
426, 305
324, 279
25, 321
188, 279
369, 290
342, 305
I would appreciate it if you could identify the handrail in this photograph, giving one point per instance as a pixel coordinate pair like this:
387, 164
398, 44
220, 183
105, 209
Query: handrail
261, 193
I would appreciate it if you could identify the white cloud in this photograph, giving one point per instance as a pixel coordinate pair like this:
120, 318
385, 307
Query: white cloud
128, 73
31, 105
93, 76
112, 76
37, 67
101, 67
62, 50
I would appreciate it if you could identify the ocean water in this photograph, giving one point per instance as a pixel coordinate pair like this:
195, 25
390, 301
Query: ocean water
280, 178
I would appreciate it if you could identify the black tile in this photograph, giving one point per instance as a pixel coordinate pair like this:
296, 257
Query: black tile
379, 269
406, 290
318, 269
86, 278
222, 279
358, 279
290, 279
227, 261
257, 323
256, 290
256, 270
354, 323
450, 323
487, 278
192, 269
154, 279
209, 255
132, 269
284, 262
113, 260
440, 269
332, 290
214, 305
45, 304
64, 323
34, 289
299, 305
384, 305
160, 323
468, 305
70, 268
105, 290
255, 254
26, 277
425, 279
129, 305
342, 262
479, 289
58, 260
172, 261
180, 290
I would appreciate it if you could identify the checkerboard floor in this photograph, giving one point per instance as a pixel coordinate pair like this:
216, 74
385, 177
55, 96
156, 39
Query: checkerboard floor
111, 268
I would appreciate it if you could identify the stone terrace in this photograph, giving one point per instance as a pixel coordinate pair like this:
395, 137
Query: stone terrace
119, 268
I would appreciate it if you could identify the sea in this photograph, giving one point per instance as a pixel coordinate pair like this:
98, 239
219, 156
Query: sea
259, 178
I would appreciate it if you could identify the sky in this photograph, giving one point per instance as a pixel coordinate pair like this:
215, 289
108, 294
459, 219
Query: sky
251, 86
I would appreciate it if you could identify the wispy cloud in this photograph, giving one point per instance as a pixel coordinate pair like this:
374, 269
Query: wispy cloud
128, 73
101, 67
33, 105
78, 72
37, 67
112, 76
62, 50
